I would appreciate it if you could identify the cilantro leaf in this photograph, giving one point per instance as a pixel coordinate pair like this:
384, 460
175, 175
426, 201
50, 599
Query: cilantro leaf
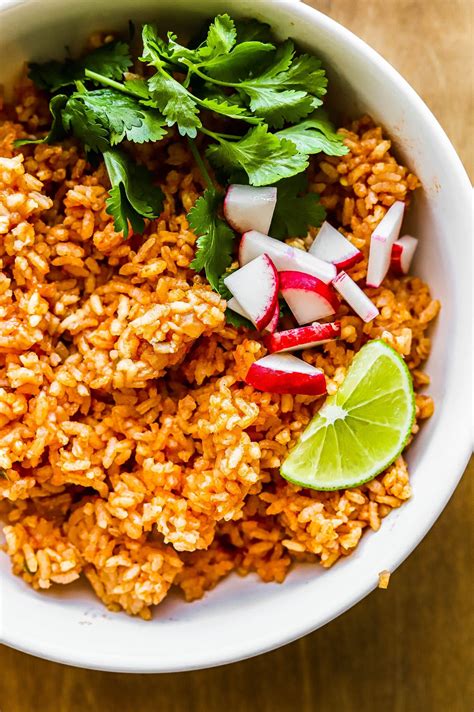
305, 73
133, 195
281, 60
237, 320
222, 287
85, 125
296, 209
220, 39
123, 116
151, 128
226, 108
249, 30
138, 87
287, 71
218, 54
176, 104
239, 62
123, 212
111, 60
168, 95
221, 36
271, 73
215, 238
262, 155
175, 52
56, 132
277, 94
314, 135
53, 75
278, 107
230, 105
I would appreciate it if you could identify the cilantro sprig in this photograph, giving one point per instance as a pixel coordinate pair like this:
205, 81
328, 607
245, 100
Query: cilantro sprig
255, 102
101, 119
215, 238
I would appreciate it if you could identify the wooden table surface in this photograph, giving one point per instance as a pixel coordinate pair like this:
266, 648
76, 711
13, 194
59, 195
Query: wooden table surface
407, 649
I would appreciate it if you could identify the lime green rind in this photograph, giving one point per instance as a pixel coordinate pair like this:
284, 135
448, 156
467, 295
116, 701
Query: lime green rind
343, 436
342, 484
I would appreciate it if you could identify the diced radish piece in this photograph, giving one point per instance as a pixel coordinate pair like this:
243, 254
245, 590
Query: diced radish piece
254, 243
308, 298
255, 287
305, 337
237, 308
273, 323
284, 373
381, 243
249, 208
333, 247
355, 297
402, 254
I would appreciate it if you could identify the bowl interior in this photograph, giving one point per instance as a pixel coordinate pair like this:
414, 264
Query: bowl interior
242, 617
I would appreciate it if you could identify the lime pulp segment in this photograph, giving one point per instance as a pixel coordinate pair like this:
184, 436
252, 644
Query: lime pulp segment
361, 429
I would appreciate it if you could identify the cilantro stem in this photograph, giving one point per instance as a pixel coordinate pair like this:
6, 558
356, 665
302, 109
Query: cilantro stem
218, 136
110, 82
187, 79
211, 134
233, 137
206, 78
80, 88
200, 163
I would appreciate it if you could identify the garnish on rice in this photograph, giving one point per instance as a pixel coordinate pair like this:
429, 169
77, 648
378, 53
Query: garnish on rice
272, 119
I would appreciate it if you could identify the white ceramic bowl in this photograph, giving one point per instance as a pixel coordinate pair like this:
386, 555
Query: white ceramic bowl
243, 617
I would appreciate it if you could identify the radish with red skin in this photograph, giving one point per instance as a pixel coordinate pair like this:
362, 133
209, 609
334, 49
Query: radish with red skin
254, 243
331, 246
402, 254
255, 287
381, 241
272, 325
355, 297
247, 207
304, 337
308, 298
284, 373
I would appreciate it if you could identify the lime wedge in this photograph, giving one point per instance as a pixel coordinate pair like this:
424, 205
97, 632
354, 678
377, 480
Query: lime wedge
361, 429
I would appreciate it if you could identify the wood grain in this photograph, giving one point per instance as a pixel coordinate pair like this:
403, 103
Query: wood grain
430, 42
407, 649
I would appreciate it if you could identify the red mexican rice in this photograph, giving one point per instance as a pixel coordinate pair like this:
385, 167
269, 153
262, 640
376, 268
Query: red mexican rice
131, 450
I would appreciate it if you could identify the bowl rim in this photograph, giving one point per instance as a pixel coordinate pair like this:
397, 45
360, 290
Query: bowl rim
460, 456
